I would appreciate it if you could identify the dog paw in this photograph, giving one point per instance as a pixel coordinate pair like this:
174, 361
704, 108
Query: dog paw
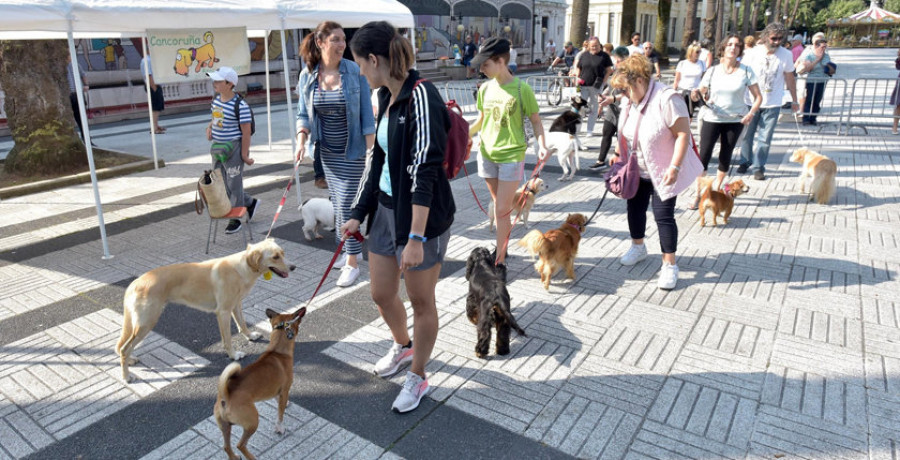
279, 428
128, 378
238, 355
503, 351
481, 355
254, 336
319, 237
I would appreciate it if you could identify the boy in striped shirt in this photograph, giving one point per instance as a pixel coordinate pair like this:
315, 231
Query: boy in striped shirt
230, 136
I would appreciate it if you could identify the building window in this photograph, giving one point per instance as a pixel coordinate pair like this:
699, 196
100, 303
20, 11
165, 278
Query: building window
673, 31
610, 38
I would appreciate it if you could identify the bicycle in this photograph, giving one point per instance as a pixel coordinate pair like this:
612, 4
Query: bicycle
554, 91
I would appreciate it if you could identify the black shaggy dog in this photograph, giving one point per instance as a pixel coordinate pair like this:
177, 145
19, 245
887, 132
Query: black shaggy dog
569, 120
488, 302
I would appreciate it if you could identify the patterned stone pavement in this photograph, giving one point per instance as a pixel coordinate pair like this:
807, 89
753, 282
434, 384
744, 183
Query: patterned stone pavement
782, 338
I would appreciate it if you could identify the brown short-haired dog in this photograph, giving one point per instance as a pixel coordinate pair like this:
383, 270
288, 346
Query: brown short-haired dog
719, 200
531, 190
557, 248
270, 376
822, 170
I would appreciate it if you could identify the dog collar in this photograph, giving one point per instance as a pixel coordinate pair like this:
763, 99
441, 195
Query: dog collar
286, 326
576, 227
727, 188
193, 54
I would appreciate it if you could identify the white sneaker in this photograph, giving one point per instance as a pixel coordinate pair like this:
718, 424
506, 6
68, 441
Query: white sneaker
635, 254
414, 388
668, 276
348, 276
340, 262
396, 357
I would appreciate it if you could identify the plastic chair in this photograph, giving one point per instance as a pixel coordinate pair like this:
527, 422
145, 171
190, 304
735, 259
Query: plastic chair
239, 213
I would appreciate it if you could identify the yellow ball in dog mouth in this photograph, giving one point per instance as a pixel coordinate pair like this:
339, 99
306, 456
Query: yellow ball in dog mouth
267, 276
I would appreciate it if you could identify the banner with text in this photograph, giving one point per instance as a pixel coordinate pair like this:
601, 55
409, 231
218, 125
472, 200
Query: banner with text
179, 55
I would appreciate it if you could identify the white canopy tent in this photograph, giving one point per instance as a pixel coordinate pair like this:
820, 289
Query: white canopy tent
54, 19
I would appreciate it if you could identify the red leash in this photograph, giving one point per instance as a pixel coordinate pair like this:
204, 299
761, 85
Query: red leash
283, 197
537, 171
358, 236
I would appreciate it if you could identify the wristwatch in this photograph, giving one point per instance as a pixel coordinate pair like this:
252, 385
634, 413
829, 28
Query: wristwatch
417, 237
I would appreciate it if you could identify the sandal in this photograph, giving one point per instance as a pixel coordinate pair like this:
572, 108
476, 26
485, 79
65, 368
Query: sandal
160, 130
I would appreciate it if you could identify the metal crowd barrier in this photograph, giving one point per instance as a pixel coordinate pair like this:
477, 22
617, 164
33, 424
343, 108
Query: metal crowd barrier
870, 99
464, 92
552, 90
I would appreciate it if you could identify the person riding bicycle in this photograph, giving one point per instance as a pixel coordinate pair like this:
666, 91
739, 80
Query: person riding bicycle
567, 54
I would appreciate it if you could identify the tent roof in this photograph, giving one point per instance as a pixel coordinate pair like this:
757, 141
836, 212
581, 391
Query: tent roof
130, 18
875, 14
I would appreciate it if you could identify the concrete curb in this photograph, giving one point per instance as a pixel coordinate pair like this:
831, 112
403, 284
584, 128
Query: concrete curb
80, 178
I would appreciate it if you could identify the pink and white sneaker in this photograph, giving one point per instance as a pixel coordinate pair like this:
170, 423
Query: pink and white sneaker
397, 357
414, 388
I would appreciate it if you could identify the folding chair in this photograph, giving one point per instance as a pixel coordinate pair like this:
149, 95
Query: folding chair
239, 213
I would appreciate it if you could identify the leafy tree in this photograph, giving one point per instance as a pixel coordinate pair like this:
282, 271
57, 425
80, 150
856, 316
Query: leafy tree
33, 76
689, 31
664, 9
836, 10
629, 21
578, 29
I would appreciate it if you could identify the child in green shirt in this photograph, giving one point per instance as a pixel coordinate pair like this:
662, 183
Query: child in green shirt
503, 104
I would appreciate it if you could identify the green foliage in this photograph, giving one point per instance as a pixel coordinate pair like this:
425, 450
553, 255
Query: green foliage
836, 10
46, 148
892, 5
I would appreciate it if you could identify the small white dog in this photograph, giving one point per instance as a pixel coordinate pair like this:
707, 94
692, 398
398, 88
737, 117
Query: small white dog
565, 147
317, 213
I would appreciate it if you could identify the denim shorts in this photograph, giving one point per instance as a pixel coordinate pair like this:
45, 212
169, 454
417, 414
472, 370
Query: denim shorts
507, 172
382, 241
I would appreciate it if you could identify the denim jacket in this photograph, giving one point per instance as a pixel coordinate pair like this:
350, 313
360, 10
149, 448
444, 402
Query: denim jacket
360, 119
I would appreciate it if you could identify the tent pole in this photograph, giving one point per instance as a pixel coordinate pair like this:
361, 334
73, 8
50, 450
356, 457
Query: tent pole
86, 132
150, 103
292, 125
268, 92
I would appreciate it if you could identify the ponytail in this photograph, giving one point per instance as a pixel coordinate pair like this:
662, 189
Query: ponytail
380, 38
309, 49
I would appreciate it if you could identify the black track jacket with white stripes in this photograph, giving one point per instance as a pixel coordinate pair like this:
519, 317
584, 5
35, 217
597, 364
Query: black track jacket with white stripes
417, 138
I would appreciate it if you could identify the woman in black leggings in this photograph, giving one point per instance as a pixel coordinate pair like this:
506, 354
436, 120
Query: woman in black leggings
723, 87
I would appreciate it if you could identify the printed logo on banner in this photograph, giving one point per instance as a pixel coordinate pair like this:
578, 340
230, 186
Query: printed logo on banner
179, 55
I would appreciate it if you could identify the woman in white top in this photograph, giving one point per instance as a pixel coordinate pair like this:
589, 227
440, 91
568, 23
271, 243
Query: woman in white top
688, 73
723, 87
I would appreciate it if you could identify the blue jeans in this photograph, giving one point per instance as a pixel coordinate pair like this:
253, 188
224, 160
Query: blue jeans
759, 132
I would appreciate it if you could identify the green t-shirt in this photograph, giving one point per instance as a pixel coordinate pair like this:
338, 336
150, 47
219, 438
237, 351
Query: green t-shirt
502, 130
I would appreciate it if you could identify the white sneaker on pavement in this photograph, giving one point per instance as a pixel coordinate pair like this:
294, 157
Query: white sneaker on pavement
396, 357
340, 262
635, 254
414, 388
348, 276
668, 276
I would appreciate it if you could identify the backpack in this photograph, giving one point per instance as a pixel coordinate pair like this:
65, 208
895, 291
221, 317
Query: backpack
237, 113
457, 151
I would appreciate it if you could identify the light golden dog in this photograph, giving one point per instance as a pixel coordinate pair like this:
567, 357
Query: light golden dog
719, 200
531, 190
555, 249
269, 377
204, 56
214, 286
822, 170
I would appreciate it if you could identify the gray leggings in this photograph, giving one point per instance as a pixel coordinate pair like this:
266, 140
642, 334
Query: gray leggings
226, 155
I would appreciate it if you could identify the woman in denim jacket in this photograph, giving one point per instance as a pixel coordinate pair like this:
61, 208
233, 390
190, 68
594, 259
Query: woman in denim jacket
335, 116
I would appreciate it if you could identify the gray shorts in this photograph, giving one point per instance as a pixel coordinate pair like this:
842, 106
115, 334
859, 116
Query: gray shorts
508, 172
383, 237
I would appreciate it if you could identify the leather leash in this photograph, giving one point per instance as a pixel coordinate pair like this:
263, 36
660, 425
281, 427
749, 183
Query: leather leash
358, 237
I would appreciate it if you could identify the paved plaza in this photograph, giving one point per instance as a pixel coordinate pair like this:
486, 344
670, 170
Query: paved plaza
782, 339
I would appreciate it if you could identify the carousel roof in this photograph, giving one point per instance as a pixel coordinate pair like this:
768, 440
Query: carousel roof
875, 14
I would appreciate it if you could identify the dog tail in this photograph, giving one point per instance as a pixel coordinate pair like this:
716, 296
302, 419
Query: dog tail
823, 185
300, 208
532, 241
208, 37
500, 304
225, 377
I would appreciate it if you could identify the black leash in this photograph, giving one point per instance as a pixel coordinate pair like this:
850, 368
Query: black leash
598, 208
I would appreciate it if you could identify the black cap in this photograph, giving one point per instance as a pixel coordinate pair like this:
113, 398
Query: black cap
492, 47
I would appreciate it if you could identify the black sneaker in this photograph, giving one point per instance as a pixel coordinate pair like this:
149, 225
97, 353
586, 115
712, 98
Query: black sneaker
743, 168
251, 210
234, 226
759, 175
598, 167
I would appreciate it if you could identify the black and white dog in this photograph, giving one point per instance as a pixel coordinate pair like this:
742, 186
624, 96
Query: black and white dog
562, 138
488, 302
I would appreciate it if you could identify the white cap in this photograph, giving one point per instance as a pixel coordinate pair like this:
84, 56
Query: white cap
797, 38
224, 74
817, 36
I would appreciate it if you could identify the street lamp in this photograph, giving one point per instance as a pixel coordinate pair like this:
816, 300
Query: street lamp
460, 28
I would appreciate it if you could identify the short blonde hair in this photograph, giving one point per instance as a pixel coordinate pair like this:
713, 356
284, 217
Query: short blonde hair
628, 72
749, 41
692, 50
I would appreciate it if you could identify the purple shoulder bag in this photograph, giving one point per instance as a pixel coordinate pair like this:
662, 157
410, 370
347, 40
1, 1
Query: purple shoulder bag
623, 177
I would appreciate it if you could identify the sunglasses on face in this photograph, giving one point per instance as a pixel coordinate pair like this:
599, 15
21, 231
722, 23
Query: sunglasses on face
776, 39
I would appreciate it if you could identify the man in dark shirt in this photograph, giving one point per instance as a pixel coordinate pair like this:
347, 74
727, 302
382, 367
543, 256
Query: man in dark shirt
469, 50
653, 56
567, 55
593, 69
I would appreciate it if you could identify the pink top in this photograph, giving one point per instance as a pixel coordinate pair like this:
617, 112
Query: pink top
797, 51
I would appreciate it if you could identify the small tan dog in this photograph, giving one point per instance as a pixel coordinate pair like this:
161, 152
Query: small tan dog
719, 200
214, 286
822, 170
531, 190
556, 249
269, 377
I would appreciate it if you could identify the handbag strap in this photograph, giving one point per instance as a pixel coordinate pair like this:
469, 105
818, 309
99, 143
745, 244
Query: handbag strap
623, 147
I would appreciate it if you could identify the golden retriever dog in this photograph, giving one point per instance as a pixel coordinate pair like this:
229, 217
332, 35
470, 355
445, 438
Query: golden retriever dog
531, 190
719, 201
204, 56
822, 170
214, 286
269, 377
556, 248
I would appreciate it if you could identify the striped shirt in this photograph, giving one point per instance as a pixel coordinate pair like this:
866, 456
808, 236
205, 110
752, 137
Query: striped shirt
225, 126
331, 108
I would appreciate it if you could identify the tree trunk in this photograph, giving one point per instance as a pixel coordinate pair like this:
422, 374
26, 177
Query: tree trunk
578, 29
709, 29
745, 20
790, 20
733, 27
629, 21
753, 16
664, 10
720, 19
689, 32
33, 76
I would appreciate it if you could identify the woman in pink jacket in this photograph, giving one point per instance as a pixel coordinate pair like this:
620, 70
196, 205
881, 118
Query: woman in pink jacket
666, 158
